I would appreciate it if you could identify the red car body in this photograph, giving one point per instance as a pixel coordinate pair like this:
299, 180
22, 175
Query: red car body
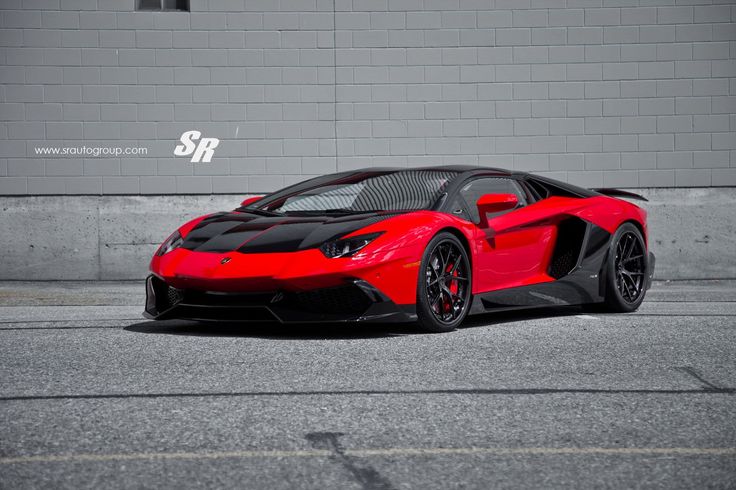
515, 258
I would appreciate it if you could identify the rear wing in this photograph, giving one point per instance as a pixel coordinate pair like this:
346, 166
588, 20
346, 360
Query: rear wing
619, 193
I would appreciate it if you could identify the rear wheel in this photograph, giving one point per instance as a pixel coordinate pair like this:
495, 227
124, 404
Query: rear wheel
627, 269
443, 289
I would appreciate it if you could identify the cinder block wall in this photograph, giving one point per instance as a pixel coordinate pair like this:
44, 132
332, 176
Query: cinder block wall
113, 237
626, 93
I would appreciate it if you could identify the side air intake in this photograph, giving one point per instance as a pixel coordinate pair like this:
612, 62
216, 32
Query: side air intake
570, 236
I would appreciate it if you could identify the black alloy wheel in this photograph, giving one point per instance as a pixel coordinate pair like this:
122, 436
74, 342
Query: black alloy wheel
445, 284
630, 267
627, 269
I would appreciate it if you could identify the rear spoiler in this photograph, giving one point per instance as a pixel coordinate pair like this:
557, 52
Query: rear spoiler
619, 193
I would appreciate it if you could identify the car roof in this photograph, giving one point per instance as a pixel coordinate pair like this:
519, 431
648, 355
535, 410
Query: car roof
470, 169
466, 171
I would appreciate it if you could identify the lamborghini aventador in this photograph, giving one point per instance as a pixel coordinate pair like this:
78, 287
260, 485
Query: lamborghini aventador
426, 245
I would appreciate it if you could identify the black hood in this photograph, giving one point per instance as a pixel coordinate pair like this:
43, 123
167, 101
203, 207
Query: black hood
252, 233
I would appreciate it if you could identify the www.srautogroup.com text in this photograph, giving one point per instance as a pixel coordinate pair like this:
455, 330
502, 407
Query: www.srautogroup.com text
90, 151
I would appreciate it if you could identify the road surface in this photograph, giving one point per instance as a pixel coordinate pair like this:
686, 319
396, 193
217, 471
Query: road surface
94, 396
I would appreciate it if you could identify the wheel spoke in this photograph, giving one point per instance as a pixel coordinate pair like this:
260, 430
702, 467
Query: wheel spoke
436, 300
632, 246
631, 280
458, 261
627, 247
447, 282
626, 286
446, 260
432, 271
623, 244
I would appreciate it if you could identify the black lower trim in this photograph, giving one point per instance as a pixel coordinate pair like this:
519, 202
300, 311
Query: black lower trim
356, 300
575, 289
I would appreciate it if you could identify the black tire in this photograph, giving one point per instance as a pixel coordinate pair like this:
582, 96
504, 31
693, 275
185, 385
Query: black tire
443, 298
626, 270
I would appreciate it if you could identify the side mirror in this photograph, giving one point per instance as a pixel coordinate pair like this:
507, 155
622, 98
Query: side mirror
495, 203
250, 200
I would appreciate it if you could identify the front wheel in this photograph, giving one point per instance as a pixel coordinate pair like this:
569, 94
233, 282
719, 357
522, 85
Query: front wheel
443, 289
627, 270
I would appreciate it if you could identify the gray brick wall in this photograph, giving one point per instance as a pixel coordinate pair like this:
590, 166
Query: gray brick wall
626, 93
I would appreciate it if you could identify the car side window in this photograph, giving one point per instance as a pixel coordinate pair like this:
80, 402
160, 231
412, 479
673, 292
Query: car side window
458, 208
468, 196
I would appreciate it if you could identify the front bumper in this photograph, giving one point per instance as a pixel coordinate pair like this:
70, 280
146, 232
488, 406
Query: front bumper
355, 300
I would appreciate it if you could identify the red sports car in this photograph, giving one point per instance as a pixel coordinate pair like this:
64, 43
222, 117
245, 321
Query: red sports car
426, 245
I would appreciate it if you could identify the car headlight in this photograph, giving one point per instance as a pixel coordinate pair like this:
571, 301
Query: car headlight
345, 247
173, 242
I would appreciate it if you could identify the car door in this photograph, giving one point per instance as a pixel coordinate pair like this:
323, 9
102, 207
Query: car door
514, 256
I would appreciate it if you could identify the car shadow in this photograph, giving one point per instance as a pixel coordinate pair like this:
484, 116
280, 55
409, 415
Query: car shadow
316, 331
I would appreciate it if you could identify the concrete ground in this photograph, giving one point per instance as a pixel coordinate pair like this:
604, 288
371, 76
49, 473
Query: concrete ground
91, 396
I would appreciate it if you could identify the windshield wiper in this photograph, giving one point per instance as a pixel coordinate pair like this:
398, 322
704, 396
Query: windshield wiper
262, 212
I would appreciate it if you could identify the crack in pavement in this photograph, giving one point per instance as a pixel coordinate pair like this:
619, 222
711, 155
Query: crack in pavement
707, 385
368, 477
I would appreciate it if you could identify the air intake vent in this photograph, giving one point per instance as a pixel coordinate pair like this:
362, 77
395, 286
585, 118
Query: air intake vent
570, 235
348, 299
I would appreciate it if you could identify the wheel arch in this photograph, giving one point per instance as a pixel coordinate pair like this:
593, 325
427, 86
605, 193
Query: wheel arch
603, 274
460, 236
639, 226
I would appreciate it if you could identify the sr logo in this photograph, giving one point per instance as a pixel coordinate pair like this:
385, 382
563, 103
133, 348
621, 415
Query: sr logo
201, 152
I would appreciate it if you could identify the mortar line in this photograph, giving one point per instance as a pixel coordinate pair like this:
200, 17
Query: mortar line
334, 80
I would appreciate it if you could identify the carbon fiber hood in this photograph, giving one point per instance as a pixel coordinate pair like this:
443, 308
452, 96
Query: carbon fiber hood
250, 233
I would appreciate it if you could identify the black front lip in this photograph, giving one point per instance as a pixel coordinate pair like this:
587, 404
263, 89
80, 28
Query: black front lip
371, 305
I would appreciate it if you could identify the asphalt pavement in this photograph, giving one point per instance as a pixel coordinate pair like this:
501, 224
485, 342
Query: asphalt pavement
94, 396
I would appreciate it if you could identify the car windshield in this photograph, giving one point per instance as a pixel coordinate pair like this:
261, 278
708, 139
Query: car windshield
363, 192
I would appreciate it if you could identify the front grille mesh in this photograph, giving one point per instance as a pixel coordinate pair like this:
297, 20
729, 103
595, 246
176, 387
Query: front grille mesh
174, 295
341, 299
563, 263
